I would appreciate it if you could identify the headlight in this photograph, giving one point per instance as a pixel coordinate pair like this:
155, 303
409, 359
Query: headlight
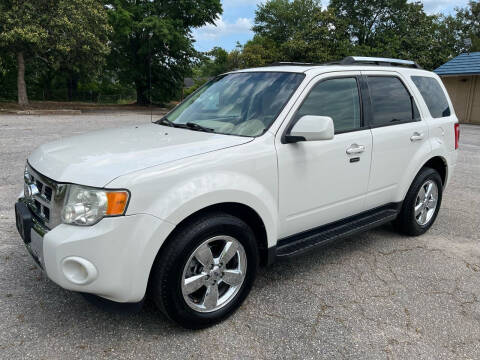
87, 206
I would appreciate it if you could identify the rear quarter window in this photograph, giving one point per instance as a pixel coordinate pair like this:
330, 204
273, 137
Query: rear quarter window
433, 96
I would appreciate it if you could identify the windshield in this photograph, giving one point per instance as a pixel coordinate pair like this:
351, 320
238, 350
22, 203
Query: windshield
243, 104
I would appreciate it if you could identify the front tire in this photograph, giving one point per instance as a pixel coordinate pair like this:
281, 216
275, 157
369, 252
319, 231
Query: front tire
206, 270
422, 203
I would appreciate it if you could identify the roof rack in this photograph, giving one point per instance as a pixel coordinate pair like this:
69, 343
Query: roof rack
283, 63
352, 60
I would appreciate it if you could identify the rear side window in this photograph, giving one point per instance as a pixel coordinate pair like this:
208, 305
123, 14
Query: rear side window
433, 95
336, 98
391, 101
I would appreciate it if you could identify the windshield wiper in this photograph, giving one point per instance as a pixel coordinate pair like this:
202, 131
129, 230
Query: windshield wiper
195, 126
165, 121
189, 125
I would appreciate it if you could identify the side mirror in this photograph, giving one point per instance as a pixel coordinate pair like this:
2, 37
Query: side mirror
311, 128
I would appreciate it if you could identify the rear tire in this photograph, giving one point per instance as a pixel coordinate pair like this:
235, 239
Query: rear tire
422, 203
189, 281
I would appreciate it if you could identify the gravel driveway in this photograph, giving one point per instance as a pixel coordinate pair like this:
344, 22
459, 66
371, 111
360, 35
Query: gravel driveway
377, 296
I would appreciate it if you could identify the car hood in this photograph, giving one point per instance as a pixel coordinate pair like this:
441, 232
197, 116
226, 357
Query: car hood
96, 158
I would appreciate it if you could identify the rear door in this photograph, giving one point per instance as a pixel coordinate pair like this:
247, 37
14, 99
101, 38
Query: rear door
400, 136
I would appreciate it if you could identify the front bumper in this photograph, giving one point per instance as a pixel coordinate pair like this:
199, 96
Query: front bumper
32, 231
117, 254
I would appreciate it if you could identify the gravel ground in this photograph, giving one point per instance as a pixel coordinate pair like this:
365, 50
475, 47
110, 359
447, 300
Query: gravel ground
378, 295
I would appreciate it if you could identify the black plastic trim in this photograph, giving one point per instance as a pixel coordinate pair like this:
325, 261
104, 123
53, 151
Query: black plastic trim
113, 306
302, 242
290, 139
271, 255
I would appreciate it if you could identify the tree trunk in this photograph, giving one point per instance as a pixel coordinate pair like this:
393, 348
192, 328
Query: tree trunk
22, 87
72, 86
142, 93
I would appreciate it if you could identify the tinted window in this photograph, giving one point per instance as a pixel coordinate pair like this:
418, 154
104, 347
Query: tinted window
391, 102
433, 95
337, 98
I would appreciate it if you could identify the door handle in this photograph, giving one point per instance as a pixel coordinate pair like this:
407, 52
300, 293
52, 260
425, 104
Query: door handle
416, 136
355, 149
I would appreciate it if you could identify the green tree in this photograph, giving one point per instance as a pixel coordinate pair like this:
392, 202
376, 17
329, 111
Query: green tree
66, 35
259, 51
214, 62
81, 31
152, 44
7, 75
468, 19
365, 17
279, 20
398, 29
298, 30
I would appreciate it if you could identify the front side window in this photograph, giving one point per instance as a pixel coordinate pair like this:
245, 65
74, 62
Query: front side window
336, 98
391, 101
243, 104
433, 95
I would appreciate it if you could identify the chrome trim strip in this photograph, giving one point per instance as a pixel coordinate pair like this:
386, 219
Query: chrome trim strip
54, 206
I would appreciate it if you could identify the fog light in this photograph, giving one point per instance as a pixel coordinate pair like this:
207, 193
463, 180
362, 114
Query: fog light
79, 271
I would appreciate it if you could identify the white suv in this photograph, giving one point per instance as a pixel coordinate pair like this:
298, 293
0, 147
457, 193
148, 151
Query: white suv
255, 166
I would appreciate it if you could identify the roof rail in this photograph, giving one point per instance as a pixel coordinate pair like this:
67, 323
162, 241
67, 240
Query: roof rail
352, 60
283, 63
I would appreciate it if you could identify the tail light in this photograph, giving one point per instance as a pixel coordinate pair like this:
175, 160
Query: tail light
457, 135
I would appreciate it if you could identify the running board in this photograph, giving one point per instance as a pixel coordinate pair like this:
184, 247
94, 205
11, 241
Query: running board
300, 243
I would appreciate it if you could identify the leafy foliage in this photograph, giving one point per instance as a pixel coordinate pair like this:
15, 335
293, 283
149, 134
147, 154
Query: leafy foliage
300, 30
468, 20
152, 45
66, 35
395, 28
98, 50
214, 62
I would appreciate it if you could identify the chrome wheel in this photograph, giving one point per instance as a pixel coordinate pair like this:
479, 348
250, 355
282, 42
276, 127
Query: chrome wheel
426, 202
214, 274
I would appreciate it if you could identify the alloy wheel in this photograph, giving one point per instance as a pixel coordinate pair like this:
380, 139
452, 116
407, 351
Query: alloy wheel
214, 274
426, 202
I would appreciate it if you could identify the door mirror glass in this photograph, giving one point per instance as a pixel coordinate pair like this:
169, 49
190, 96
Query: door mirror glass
311, 128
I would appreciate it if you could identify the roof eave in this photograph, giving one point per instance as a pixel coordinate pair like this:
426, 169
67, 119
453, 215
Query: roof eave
462, 74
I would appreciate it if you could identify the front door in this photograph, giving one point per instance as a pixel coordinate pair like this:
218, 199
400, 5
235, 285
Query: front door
324, 181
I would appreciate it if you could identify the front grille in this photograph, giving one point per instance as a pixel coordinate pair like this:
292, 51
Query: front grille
47, 203
48, 193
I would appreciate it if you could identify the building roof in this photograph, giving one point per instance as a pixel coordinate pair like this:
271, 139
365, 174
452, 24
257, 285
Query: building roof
464, 64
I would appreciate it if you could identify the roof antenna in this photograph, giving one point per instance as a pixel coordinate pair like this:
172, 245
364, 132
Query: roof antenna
150, 34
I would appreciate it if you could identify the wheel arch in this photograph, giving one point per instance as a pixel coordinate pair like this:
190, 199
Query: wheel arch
436, 162
242, 211
439, 164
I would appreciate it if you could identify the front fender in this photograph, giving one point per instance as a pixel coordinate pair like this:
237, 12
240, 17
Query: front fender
193, 195
255, 197
174, 192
